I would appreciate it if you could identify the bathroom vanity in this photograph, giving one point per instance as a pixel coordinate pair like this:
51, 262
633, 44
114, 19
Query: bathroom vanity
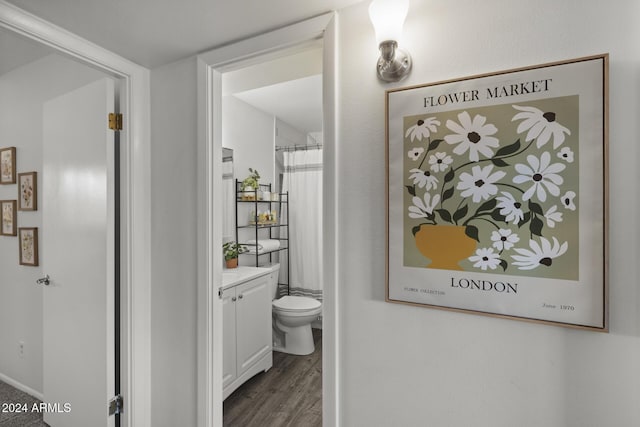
247, 341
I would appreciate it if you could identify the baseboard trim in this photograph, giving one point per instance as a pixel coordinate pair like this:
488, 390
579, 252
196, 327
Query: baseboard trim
21, 387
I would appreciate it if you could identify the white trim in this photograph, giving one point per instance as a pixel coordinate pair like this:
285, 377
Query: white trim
211, 65
209, 366
135, 220
15, 384
294, 36
331, 291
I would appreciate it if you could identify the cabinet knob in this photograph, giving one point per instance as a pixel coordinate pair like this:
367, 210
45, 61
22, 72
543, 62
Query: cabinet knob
241, 296
233, 299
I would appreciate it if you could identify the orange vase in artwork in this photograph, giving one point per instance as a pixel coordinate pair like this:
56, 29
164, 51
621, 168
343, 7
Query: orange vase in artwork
444, 245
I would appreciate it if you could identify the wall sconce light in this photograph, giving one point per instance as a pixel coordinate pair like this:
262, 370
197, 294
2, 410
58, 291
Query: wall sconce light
387, 17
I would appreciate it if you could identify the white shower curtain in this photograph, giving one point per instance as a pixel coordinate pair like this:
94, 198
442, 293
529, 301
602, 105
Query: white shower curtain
303, 181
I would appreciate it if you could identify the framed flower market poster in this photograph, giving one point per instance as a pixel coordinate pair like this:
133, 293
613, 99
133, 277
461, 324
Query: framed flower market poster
497, 194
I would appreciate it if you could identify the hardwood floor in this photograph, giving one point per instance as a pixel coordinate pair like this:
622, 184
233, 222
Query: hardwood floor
289, 394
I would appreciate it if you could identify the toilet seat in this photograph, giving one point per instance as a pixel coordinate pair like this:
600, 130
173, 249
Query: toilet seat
289, 303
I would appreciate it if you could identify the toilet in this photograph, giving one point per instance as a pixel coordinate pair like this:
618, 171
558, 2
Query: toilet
292, 317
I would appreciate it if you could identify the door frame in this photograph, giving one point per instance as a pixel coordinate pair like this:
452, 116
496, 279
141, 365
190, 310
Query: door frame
133, 94
211, 65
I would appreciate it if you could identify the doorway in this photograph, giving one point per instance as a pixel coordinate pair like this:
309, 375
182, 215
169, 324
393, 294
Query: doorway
64, 280
134, 102
281, 99
211, 67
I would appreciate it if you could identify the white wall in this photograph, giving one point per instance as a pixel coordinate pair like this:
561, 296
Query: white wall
286, 135
409, 366
290, 67
173, 242
22, 93
249, 133
173, 226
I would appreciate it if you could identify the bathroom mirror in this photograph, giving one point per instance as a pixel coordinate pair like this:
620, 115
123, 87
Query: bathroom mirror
228, 183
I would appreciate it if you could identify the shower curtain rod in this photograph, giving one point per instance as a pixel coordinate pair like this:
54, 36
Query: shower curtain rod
298, 147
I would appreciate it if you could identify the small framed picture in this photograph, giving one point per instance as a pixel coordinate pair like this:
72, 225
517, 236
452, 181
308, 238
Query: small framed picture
9, 220
28, 246
28, 191
8, 165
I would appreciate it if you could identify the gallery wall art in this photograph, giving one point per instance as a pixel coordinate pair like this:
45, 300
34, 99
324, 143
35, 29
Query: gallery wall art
28, 191
8, 165
28, 246
497, 191
8, 210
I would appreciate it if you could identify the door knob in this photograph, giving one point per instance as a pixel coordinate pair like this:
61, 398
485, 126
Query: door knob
43, 280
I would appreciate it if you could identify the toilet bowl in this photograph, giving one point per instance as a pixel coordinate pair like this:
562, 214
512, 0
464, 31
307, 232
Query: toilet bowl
292, 317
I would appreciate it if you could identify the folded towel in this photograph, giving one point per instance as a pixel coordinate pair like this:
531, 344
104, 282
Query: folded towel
266, 245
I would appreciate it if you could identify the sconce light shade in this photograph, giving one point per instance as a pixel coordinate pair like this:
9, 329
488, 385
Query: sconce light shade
387, 17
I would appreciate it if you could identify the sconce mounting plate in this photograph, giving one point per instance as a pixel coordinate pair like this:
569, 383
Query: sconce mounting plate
394, 64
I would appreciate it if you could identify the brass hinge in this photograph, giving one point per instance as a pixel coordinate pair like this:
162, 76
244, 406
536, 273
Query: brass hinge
115, 121
115, 405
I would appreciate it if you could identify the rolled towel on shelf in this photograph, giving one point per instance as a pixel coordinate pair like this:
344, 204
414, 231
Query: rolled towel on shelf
266, 245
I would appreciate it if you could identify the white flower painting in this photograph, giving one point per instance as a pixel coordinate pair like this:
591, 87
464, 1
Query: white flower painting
541, 175
472, 135
498, 193
508, 174
542, 253
540, 126
480, 184
422, 128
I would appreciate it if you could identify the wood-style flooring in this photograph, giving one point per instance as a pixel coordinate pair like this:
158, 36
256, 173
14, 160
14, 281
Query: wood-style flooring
289, 394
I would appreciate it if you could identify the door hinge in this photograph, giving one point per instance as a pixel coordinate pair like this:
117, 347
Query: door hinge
116, 405
115, 121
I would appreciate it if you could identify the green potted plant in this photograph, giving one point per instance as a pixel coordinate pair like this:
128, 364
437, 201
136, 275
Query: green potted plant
231, 250
250, 185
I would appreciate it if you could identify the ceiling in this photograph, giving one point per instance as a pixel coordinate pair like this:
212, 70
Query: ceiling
295, 102
153, 33
288, 87
17, 51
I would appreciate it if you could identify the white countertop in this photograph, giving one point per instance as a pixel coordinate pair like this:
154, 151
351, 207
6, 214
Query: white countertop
235, 276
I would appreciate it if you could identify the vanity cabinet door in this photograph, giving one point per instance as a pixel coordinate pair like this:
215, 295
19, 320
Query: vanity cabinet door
229, 359
253, 322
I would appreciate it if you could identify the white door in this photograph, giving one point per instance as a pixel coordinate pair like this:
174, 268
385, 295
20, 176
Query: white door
77, 252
